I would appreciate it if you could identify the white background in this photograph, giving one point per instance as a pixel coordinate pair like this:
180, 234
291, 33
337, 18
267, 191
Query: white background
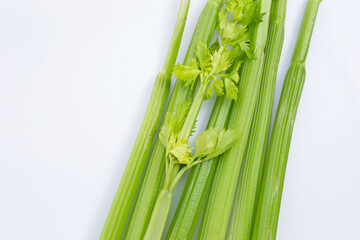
75, 79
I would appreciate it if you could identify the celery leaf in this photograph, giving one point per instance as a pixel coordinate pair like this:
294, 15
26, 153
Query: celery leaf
187, 73
203, 55
225, 140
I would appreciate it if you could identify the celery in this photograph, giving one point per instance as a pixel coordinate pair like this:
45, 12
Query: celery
244, 210
120, 208
217, 69
274, 173
154, 173
218, 206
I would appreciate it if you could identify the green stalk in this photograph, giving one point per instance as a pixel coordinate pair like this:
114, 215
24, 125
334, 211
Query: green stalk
186, 130
189, 207
158, 219
244, 211
274, 173
155, 171
124, 197
218, 207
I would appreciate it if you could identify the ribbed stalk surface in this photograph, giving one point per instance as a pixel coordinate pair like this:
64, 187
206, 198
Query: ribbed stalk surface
244, 210
275, 166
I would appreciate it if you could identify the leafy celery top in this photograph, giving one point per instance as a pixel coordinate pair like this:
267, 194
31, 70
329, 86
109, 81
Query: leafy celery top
216, 67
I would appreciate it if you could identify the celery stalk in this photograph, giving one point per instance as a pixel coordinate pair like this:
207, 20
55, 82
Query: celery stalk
154, 173
274, 173
124, 197
244, 210
218, 206
161, 210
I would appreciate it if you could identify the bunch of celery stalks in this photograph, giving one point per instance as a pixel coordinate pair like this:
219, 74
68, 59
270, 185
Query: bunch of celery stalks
236, 169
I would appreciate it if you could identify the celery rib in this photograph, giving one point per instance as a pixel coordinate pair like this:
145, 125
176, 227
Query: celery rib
161, 209
275, 166
218, 206
244, 210
155, 171
124, 197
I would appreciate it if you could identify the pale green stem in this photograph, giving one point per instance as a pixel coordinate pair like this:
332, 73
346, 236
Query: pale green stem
190, 120
179, 175
159, 216
176, 38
